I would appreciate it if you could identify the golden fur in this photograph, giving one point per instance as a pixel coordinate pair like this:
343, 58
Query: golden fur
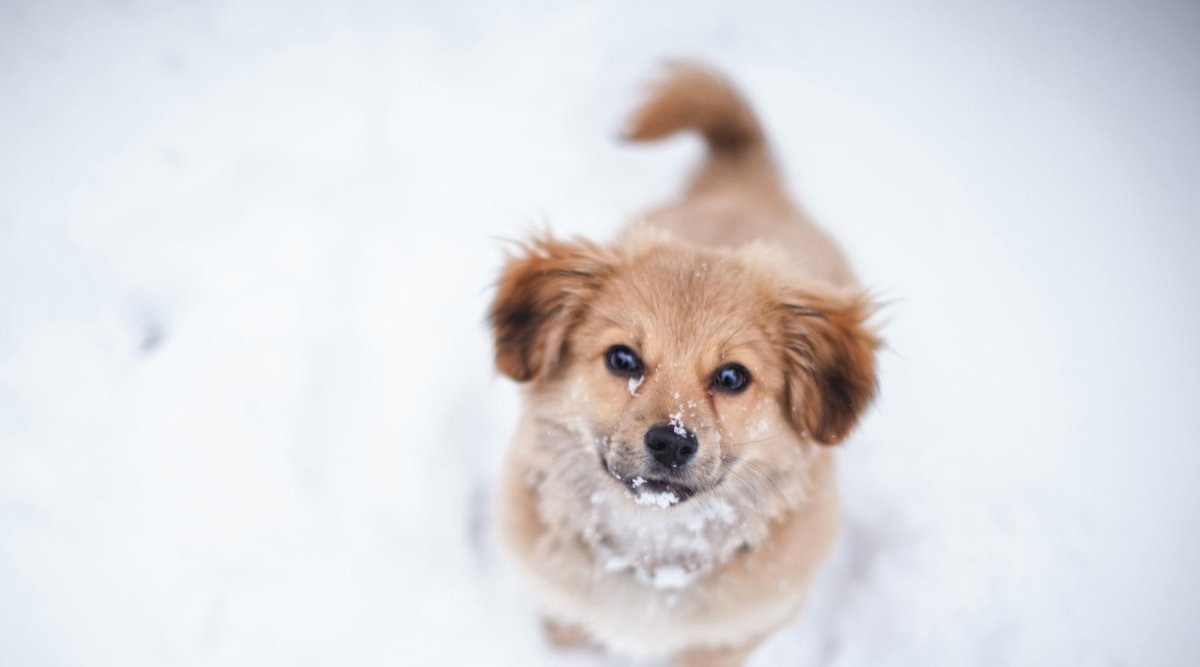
730, 272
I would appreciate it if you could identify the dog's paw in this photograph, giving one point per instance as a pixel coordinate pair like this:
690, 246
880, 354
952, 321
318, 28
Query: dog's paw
566, 635
713, 657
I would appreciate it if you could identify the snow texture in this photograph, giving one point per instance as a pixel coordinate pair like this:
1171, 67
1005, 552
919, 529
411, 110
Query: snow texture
248, 414
664, 548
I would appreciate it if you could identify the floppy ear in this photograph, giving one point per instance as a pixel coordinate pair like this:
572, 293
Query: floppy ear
829, 353
541, 295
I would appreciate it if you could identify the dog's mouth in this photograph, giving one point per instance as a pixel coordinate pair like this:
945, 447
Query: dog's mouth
657, 492
652, 491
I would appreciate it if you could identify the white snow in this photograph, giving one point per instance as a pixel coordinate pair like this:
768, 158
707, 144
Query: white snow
758, 428
634, 383
675, 419
665, 549
671, 577
657, 499
247, 408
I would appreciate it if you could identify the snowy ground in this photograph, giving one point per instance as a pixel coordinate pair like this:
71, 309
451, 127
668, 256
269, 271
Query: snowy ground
247, 413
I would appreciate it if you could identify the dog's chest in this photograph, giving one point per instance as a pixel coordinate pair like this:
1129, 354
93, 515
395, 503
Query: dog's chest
663, 548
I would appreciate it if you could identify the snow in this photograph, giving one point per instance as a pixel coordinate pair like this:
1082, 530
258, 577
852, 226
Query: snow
645, 497
671, 577
247, 409
634, 383
656, 499
666, 548
675, 419
758, 428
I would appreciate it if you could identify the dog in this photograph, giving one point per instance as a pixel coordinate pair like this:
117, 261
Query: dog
670, 489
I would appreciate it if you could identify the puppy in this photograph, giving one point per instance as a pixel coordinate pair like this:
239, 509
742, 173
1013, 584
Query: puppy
670, 489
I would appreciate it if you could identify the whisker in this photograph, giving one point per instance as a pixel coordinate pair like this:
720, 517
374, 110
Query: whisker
752, 467
747, 488
770, 436
730, 461
562, 461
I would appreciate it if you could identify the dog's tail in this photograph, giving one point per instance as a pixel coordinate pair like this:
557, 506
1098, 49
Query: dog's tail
695, 97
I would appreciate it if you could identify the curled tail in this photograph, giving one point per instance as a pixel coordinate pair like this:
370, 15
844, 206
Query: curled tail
698, 98
695, 97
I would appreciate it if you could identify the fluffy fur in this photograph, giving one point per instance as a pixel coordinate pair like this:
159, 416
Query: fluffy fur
731, 272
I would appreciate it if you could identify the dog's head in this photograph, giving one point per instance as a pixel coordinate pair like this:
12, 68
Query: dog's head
670, 365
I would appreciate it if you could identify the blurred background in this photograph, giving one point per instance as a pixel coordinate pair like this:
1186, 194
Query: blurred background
247, 409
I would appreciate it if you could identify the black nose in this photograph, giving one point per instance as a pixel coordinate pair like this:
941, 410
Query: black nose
671, 446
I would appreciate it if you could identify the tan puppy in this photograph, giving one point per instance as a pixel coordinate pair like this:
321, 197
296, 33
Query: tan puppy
669, 492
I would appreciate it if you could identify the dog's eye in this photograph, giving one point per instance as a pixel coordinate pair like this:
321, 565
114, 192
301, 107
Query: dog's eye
623, 361
731, 378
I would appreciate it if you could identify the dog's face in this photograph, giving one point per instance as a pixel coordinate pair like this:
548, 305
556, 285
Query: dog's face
673, 367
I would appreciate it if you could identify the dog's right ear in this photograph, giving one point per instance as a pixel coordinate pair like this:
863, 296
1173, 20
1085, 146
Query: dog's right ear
542, 293
829, 351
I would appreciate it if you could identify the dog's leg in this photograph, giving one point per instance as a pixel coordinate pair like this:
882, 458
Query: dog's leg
566, 635
714, 657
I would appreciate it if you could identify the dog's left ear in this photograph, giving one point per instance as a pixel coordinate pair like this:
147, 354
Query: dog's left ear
829, 355
542, 293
